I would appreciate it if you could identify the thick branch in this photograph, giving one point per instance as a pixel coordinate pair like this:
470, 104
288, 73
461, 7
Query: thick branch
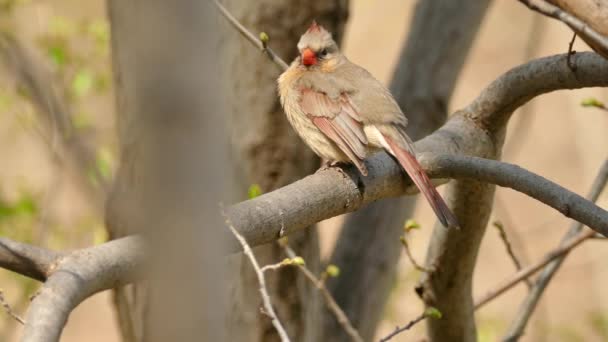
327, 193
28, 260
76, 277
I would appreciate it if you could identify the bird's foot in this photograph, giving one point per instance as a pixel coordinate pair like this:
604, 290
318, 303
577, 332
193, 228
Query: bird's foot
327, 164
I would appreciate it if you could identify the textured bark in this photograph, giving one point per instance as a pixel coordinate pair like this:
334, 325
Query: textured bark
440, 37
269, 153
174, 169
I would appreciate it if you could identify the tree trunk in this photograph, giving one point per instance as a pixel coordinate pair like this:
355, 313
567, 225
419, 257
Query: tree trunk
368, 248
269, 153
174, 163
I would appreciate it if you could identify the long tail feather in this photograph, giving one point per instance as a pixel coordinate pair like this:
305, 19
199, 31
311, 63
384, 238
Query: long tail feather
414, 170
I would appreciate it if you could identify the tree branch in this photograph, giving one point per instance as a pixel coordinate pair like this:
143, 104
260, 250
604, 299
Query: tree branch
587, 18
250, 37
269, 310
76, 277
532, 298
530, 270
30, 261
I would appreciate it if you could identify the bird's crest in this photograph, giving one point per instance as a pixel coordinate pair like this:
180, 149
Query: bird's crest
314, 27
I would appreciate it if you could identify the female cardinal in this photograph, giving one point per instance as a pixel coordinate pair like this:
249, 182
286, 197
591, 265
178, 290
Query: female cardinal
344, 114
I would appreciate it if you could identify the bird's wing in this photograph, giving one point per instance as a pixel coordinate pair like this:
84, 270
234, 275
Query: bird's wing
339, 120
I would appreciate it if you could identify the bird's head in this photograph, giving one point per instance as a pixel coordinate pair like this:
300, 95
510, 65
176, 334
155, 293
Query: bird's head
317, 48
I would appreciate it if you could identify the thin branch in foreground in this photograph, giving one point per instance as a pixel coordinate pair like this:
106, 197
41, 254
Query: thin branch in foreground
409, 255
260, 44
530, 270
530, 302
331, 303
408, 326
268, 309
430, 312
576, 24
505, 239
9, 310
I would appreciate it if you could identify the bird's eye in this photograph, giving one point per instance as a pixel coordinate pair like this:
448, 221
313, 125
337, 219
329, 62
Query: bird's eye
323, 53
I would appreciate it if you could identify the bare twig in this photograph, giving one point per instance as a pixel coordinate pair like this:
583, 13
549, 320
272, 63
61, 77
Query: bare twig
409, 255
408, 326
329, 299
531, 301
575, 23
262, 45
503, 236
8, 308
530, 270
571, 52
268, 309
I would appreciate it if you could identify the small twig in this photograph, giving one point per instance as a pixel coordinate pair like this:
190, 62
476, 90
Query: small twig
503, 236
409, 255
331, 303
408, 326
571, 52
9, 310
273, 267
530, 270
268, 309
263, 46
530, 302
575, 23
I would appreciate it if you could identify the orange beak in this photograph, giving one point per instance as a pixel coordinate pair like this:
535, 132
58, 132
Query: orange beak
309, 57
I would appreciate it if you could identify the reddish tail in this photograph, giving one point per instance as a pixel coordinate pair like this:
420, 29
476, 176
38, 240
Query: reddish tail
422, 181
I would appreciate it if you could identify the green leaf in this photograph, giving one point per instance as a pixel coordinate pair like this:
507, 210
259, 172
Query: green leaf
57, 54
254, 191
25, 206
410, 224
82, 82
103, 162
432, 312
592, 102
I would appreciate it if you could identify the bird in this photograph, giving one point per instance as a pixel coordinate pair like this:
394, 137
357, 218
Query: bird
344, 114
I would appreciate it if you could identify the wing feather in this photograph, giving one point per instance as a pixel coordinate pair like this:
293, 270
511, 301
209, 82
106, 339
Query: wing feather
339, 120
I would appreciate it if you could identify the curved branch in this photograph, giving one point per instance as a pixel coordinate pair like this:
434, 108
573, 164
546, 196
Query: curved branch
512, 176
76, 277
527, 307
494, 106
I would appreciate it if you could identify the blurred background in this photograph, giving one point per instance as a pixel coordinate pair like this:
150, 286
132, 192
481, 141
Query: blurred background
554, 136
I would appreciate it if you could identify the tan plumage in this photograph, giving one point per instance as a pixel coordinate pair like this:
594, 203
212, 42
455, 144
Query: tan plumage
344, 114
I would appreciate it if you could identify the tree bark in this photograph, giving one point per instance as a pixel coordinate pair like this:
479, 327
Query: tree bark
174, 164
367, 251
270, 154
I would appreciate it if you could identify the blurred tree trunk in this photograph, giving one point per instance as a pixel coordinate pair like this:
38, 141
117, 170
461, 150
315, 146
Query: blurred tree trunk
269, 153
266, 152
441, 35
174, 167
